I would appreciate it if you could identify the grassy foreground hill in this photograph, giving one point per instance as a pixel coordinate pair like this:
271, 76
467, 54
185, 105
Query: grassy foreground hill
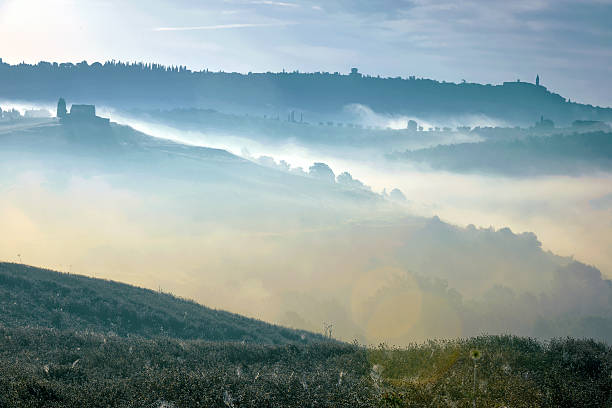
70, 341
34, 297
51, 368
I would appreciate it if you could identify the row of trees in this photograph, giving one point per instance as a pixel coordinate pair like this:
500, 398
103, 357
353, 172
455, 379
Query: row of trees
140, 84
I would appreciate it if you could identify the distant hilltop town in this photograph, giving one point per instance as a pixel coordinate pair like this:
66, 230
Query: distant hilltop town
319, 94
79, 114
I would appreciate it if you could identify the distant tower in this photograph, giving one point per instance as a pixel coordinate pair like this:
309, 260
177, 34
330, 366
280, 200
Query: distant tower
61, 108
537, 80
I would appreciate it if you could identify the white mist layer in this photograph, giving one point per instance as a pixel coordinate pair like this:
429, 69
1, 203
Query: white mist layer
367, 117
267, 245
557, 208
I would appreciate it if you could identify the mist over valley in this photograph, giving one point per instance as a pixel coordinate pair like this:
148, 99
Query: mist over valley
303, 203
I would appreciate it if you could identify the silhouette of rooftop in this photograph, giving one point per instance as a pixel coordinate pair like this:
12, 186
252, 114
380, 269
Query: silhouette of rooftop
79, 113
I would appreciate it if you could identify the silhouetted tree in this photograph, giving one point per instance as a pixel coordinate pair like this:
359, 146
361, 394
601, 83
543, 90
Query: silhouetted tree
322, 171
61, 108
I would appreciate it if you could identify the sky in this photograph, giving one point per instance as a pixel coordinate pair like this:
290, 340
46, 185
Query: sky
568, 43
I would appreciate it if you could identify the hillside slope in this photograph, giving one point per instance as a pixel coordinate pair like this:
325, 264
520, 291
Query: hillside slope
137, 158
32, 296
573, 154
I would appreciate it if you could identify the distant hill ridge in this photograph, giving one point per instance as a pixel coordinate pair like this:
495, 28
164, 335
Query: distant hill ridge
153, 85
35, 297
577, 153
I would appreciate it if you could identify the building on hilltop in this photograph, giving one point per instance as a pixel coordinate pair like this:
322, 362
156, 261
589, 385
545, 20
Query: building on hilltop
82, 112
412, 125
544, 124
79, 114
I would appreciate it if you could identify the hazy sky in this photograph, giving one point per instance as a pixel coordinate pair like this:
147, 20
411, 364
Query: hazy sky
569, 43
